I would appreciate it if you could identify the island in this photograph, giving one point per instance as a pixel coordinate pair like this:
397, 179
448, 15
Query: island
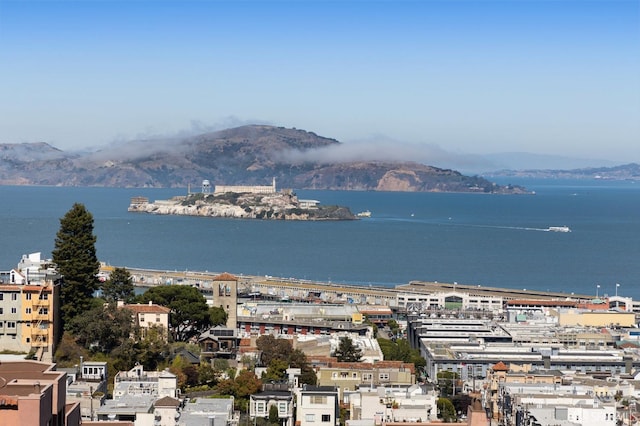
243, 202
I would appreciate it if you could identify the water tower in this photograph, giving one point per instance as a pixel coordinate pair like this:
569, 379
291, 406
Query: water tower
206, 187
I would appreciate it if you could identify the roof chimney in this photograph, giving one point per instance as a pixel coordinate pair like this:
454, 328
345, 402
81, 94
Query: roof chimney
150, 303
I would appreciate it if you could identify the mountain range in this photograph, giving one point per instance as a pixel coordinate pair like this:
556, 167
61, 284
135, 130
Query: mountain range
246, 155
629, 171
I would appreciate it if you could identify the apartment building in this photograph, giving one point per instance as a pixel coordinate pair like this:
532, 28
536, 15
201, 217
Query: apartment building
34, 394
352, 375
29, 308
318, 405
148, 316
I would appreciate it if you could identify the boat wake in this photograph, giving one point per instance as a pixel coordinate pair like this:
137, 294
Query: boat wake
518, 228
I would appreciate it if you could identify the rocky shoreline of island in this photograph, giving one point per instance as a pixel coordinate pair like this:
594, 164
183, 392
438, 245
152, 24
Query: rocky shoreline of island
283, 205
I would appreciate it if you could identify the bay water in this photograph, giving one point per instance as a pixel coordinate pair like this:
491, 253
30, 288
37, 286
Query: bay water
476, 239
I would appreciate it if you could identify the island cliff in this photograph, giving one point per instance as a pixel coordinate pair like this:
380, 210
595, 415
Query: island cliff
283, 205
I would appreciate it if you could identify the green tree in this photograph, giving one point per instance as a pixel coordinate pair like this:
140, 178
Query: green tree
102, 328
274, 418
400, 350
69, 351
347, 351
207, 374
153, 349
393, 326
276, 371
298, 359
447, 381
282, 349
74, 254
119, 286
242, 386
189, 310
273, 348
218, 316
177, 367
446, 410
221, 365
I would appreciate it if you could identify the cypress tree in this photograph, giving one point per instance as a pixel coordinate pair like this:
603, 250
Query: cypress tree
75, 256
347, 351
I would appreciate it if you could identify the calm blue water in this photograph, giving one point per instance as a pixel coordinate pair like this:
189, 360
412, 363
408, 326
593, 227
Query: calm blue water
468, 238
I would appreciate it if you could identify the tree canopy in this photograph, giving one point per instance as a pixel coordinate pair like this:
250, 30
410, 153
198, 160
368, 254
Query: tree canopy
446, 410
275, 352
119, 286
347, 351
245, 384
218, 316
400, 350
273, 348
102, 328
448, 382
190, 314
75, 256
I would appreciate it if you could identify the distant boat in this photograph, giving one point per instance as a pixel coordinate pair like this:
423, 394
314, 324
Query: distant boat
365, 213
559, 229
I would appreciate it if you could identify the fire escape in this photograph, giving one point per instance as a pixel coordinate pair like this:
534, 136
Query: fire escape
40, 323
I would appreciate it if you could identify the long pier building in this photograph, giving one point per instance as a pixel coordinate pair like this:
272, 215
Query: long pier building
415, 296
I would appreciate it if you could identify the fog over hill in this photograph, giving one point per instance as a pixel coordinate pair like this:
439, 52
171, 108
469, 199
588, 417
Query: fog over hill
250, 154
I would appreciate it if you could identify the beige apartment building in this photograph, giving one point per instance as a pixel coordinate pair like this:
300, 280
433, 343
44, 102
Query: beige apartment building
29, 309
351, 375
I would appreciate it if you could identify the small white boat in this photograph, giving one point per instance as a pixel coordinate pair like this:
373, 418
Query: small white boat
559, 229
365, 213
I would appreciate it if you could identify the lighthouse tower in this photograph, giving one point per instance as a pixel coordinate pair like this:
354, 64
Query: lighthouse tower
206, 187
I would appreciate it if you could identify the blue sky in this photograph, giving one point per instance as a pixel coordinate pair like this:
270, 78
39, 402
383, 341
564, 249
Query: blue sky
428, 78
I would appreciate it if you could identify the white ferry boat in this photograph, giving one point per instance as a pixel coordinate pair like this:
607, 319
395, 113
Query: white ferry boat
559, 229
365, 213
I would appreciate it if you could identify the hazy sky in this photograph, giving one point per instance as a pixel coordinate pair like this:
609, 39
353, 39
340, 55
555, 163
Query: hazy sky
546, 76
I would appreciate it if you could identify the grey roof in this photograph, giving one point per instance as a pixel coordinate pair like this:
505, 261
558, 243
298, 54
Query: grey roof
128, 404
200, 411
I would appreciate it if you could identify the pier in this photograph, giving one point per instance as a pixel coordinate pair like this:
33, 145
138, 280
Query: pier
299, 290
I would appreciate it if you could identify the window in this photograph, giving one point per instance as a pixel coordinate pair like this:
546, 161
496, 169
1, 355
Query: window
14, 296
309, 417
14, 310
367, 376
282, 408
27, 311
1, 311
141, 317
317, 399
326, 418
43, 311
28, 296
260, 407
384, 376
44, 296
11, 324
1, 296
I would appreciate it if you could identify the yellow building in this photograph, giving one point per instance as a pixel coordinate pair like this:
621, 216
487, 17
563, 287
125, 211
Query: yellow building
596, 319
30, 321
29, 308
